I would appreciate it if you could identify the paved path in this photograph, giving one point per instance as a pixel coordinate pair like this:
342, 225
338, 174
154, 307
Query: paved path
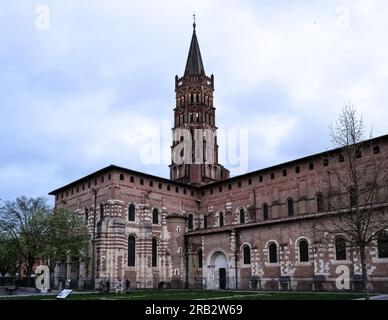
379, 297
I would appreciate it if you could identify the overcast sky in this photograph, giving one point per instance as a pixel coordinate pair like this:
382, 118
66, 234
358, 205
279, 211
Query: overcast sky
99, 82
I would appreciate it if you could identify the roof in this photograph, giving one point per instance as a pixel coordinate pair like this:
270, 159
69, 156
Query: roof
194, 65
113, 167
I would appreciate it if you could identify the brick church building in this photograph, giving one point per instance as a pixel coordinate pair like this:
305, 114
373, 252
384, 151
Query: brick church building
204, 229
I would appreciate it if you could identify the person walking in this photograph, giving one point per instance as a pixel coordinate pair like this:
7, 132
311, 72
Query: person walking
101, 286
127, 285
107, 286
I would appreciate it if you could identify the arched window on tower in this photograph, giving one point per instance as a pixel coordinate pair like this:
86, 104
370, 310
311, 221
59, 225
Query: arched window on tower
247, 254
131, 251
320, 203
190, 222
340, 248
154, 252
221, 219
242, 216
273, 252
290, 207
303, 251
131, 212
205, 222
155, 216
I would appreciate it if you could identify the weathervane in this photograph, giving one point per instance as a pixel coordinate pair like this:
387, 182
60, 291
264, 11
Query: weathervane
194, 24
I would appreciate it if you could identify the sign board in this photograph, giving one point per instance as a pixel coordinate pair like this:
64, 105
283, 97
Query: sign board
64, 293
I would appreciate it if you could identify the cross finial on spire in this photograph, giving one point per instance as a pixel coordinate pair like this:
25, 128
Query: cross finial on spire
194, 24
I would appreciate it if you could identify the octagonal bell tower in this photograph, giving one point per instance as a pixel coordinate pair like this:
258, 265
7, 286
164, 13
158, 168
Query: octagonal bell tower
194, 150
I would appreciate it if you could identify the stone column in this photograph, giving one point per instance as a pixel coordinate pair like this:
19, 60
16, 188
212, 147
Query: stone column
145, 277
233, 263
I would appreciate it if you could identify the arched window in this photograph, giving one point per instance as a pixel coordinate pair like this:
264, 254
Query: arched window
204, 222
131, 212
154, 252
221, 219
155, 216
242, 216
101, 212
190, 222
199, 258
303, 251
273, 253
290, 207
340, 249
86, 215
265, 211
382, 244
247, 254
320, 202
131, 251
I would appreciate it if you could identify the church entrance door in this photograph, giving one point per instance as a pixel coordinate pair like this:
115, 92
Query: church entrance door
222, 277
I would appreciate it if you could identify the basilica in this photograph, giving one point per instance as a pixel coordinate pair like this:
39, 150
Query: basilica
202, 228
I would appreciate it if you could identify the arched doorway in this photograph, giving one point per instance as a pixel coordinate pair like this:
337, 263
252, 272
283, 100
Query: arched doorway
218, 275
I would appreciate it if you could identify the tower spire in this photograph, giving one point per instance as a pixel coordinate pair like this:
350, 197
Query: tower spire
194, 65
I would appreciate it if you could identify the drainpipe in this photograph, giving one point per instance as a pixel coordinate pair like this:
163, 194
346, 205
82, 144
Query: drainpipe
186, 263
254, 203
236, 235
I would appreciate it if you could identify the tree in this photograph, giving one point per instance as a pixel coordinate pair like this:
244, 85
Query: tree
66, 236
9, 255
357, 189
24, 221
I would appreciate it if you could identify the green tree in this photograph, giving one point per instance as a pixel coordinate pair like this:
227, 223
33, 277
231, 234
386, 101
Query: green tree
24, 221
9, 255
66, 236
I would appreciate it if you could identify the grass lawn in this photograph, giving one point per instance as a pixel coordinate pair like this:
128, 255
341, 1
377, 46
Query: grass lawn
197, 294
